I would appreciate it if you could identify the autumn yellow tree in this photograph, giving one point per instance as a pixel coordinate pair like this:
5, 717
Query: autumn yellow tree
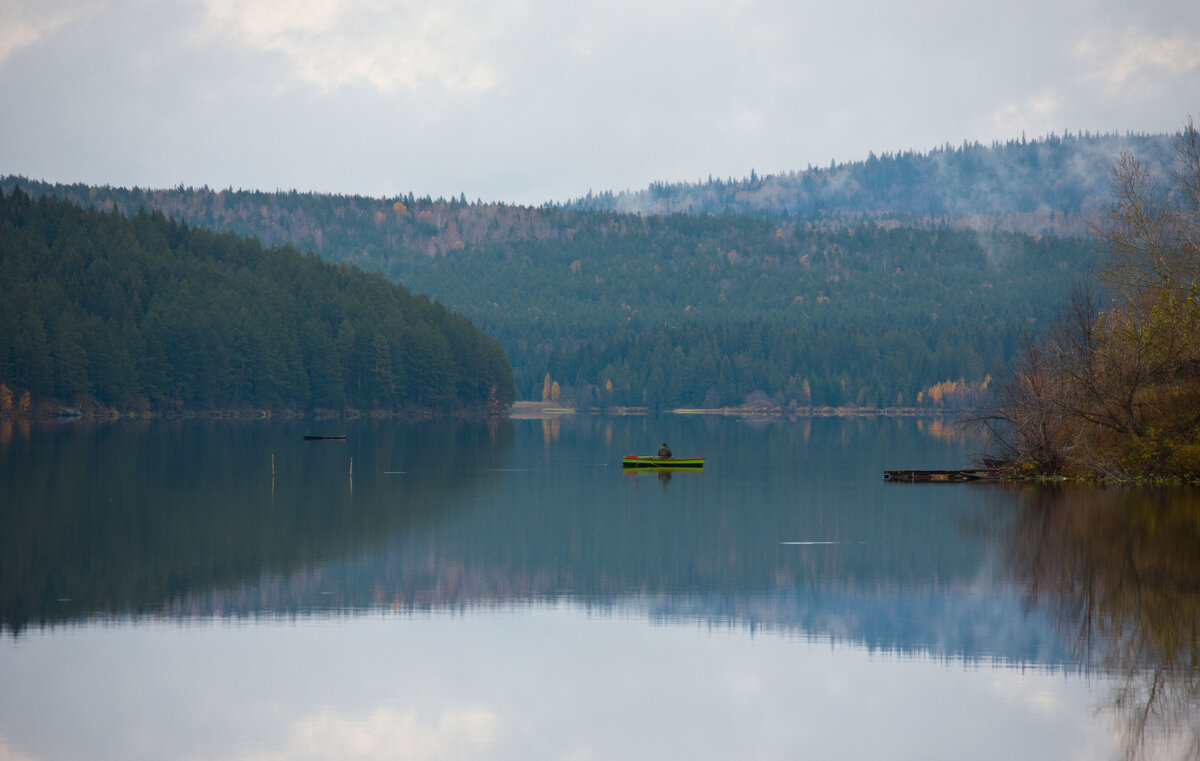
1115, 392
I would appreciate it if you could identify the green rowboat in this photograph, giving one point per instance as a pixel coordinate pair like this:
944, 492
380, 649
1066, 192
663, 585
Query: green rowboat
640, 462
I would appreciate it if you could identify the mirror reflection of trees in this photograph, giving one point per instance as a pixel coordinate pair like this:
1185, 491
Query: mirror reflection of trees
142, 518
1120, 571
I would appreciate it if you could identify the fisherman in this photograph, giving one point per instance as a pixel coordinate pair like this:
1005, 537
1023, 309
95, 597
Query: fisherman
664, 450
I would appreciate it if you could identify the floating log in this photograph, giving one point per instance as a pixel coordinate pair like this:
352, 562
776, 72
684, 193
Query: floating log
311, 437
944, 476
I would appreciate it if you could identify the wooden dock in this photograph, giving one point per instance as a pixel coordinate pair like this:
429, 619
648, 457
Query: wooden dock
938, 476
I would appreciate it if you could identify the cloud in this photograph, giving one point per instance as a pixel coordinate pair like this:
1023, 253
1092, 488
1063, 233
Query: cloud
532, 100
1031, 115
388, 45
1115, 64
26, 24
387, 734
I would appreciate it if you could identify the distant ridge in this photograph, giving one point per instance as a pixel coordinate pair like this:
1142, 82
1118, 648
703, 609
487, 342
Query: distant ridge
1054, 185
901, 281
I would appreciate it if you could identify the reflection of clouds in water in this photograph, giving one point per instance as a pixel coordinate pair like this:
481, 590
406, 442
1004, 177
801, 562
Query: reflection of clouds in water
9, 753
1019, 689
388, 733
1042, 702
1026, 692
492, 685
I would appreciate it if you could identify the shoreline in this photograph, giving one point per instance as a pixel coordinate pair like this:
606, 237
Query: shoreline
539, 410
522, 410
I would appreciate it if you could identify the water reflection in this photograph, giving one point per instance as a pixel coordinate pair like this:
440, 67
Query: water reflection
502, 588
145, 517
1119, 571
663, 475
790, 527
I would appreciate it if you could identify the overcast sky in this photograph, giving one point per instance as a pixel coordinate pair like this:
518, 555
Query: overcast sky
532, 100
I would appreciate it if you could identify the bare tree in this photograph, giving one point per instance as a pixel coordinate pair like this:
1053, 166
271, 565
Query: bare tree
1151, 229
1117, 391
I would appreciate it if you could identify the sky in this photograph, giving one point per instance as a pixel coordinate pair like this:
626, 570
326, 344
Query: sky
534, 101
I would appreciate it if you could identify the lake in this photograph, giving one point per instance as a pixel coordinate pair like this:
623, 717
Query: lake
227, 590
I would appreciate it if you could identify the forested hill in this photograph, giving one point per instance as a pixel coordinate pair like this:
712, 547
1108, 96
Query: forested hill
680, 310
1055, 185
1051, 186
143, 312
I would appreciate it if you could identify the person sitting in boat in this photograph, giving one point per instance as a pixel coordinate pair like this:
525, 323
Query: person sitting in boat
664, 450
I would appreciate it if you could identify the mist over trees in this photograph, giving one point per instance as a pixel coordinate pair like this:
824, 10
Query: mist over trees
144, 313
1115, 391
898, 280
1056, 184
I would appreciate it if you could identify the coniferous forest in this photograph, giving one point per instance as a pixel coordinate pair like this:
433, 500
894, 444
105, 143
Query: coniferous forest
146, 313
806, 289
1058, 184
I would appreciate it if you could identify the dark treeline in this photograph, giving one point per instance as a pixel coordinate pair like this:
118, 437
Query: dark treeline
141, 312
1054, 184
680, 310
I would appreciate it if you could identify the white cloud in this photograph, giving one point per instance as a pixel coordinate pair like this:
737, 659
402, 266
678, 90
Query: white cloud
387, 734
1031, 116
26, 23
388, 45
532, 100
1115, 64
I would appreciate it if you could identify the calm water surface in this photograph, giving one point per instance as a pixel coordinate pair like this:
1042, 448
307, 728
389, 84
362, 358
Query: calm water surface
450, 590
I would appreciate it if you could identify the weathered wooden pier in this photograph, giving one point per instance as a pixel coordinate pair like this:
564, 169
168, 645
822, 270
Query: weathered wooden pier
942, 476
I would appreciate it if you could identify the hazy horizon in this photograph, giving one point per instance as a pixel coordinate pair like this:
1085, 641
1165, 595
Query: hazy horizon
527, 102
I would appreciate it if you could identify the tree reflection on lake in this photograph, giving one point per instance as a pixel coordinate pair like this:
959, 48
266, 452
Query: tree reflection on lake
1119, 571
141, 518
516, 568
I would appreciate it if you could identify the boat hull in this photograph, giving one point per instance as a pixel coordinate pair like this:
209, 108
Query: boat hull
640, 462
